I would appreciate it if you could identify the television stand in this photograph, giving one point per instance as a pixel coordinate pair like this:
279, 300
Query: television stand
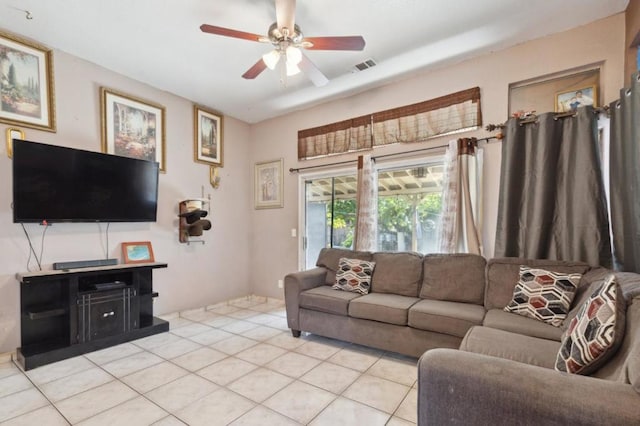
69, 313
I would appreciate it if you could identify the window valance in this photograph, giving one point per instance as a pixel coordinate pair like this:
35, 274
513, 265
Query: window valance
411, 123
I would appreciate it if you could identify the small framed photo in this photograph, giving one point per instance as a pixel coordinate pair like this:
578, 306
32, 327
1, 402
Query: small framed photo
268, 185
132, 127
27, 97
208, 142
572, 99
137, 252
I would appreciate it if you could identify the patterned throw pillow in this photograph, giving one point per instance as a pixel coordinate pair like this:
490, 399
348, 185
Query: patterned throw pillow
543, 295
354, 275
596, 332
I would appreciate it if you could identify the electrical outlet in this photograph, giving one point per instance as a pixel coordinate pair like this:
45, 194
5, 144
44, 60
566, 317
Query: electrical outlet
280, 284
294, 232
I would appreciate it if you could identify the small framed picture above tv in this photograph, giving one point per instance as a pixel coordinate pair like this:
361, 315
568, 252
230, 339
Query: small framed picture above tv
28, 100
137, 252
208, 140
132, 127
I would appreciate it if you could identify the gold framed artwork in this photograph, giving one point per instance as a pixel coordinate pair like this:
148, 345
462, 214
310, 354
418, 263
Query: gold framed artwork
132, 127
137, 252
268, 186
208, 143
12, 134
570, 100
27, 93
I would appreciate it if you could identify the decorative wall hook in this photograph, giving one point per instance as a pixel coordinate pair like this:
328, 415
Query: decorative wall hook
12, 133
213, 177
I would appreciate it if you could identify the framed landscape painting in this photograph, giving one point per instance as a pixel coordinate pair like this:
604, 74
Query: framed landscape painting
208, 140
26, 84
268, 185
132, 127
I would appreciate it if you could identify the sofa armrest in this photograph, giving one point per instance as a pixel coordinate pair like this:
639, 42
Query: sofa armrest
457, 387
294, 284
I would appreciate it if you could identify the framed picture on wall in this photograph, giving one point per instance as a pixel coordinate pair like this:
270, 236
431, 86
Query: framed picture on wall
27, 97
132, 127
540, 94
268, 185
137, 252
570, 100
208, 140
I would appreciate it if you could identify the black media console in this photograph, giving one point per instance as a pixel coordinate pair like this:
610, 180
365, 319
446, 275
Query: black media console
71, 312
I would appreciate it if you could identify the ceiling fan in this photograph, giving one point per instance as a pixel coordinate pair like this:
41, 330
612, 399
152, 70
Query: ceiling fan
287, 39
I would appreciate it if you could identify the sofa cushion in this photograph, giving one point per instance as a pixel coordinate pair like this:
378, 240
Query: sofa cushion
596, 332
502, 276
397, 273
453, 318
543, 295
589, 282
501, 320
326, 299
513, 346
330, 257
453, 277
389, 308
354, 275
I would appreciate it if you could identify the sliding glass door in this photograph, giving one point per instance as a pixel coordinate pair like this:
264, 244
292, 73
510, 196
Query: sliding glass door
330, 214
409, 209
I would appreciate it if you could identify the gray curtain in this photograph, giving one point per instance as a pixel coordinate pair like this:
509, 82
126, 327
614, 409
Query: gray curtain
552, 203
624, 177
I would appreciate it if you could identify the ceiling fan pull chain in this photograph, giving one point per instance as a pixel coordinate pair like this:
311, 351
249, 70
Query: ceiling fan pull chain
283, 73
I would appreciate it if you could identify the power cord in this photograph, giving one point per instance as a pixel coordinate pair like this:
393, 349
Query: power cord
107, 233
31, 249
106, 254
46, 226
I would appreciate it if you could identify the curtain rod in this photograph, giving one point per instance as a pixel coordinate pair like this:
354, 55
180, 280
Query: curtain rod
296, 170
531, 117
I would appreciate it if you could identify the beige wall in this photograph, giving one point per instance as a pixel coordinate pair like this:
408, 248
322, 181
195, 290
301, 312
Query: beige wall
197, 274
248, 250
274, 251
632, 29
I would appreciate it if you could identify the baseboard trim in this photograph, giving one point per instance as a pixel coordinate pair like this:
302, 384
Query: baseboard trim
7, 356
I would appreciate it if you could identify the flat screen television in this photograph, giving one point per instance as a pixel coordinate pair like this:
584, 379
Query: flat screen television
58, 184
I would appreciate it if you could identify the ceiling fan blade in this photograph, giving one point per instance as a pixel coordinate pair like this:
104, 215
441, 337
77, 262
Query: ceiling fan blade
212, 29
311, 71
286, 14
336, 43
255, 70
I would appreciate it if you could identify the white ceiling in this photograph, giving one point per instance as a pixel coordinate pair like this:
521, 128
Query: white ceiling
159, 41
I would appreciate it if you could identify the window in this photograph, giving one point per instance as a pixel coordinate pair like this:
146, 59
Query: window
409, 205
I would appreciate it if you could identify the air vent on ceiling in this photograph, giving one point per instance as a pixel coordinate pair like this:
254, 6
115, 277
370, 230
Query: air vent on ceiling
364, 65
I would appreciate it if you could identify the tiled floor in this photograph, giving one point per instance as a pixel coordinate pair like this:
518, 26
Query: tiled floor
233, 363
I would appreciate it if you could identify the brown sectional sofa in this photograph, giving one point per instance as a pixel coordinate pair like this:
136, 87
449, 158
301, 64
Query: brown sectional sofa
488, 366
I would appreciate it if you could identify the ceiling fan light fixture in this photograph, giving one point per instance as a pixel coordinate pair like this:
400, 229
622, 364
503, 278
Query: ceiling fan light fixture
294, 55
292, 69
271, 59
